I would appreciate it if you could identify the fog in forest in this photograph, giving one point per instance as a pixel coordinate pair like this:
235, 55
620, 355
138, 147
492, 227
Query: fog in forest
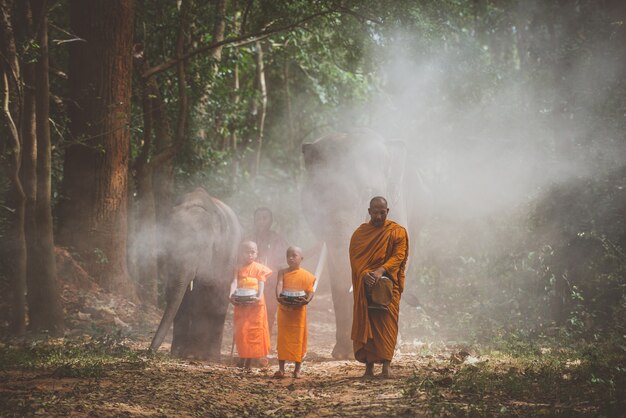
486, 152
487, 155
489, 144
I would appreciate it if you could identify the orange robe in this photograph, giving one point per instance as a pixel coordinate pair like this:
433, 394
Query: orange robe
252, 335
292, 329
272, 248
374, 332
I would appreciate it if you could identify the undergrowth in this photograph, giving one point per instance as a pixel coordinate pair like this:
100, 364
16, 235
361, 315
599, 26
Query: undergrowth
516, 377
87, 357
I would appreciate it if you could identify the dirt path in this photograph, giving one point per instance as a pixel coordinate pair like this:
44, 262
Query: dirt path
183, 388
428, 380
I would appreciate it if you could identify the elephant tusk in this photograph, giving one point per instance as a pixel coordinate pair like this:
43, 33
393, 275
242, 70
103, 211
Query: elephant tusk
320, 265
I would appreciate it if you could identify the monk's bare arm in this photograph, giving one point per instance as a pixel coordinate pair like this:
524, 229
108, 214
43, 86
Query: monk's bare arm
309, 295
279, 284
400, 245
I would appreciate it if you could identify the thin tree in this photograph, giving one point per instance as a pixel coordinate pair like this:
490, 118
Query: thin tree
154, 174
44, 302
12, 97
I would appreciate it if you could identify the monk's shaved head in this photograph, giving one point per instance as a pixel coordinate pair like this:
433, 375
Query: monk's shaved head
295, 249
378, 211
294, 257
249, 245
379, 200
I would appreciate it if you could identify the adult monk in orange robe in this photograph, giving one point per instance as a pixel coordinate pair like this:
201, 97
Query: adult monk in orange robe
292, 327
379, 247
252, 335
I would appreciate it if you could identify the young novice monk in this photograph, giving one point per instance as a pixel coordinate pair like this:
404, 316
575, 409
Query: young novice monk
252, 335
292, 329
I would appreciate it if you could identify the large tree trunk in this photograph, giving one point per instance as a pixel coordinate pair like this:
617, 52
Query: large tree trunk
11, 105
93, 210
44, 300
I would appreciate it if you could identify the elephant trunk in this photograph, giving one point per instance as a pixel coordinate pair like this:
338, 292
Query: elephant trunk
178, 292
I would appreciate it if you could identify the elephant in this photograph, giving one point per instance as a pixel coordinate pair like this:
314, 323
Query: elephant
343, 171
200, 244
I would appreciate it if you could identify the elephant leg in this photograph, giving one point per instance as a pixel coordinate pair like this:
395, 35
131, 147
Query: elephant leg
217, 317
342, 303
209, 313
177, 292
182, 323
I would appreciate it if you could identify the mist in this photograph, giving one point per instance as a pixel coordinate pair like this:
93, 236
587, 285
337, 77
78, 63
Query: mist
490, 144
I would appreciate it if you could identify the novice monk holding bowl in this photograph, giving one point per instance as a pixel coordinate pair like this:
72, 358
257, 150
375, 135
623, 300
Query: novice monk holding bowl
294, 290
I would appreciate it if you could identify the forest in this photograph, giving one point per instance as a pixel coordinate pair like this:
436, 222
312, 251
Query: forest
503, 130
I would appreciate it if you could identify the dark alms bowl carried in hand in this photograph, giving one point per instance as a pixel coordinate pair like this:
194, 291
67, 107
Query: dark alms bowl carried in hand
380, 295
293, 297
243, 295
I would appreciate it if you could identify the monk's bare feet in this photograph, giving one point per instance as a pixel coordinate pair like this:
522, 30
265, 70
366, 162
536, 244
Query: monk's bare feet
369, 370
296, 370
386, 373
279, 374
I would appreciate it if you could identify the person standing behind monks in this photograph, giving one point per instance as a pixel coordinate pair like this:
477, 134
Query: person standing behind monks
377, 248
252, 336
272, 247
292, 327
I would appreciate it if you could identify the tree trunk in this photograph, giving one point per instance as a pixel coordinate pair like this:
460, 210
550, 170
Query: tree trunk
291, 131
93, 210
154, 176
216, 55
260, 73
218, 31
11, 104
233, 133
165, 142
44, 299
144, 240
28, 169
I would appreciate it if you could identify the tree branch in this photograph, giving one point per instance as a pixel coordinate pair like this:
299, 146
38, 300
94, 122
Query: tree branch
233, 42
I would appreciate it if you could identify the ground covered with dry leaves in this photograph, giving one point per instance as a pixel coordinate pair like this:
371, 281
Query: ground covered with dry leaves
108, 378
102, 369
112, 375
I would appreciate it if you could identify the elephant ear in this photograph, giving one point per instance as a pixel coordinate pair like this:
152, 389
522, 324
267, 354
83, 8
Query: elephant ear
396, 171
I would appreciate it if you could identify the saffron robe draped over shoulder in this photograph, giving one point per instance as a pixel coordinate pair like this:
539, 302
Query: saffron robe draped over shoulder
292, 327
252, 335
374, 332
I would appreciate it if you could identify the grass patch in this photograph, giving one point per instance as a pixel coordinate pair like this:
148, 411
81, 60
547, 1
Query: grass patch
83, 358
518, 377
